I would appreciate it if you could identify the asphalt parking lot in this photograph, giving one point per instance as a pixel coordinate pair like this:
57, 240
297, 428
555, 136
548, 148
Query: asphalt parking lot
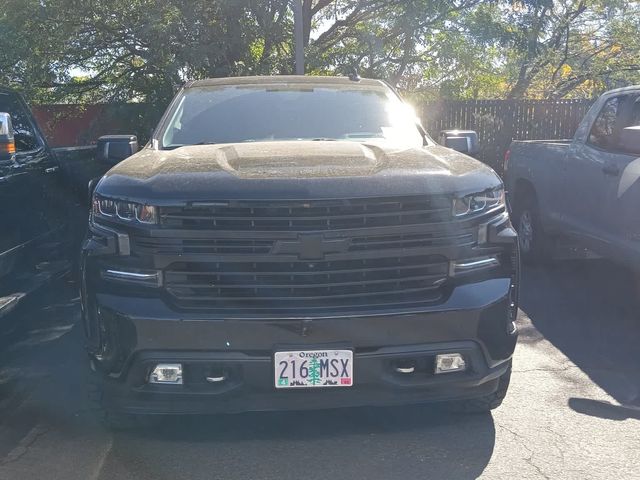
573, 410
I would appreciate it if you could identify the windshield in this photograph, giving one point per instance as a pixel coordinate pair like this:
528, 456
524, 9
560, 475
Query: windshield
23, 132
256, 114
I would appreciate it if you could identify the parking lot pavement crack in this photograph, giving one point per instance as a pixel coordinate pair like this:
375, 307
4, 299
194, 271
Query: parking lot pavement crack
539, 369
522, 441
102, 460
558, 443
538, 469
24, 444
513, 433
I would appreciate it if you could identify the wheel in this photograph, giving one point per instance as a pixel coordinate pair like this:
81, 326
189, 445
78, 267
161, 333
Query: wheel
110, 419
486, 403
535, 244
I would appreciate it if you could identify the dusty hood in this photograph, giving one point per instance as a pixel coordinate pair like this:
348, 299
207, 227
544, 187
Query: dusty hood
294, 169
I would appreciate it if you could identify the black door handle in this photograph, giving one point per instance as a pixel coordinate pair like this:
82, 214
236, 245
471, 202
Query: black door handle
611, 169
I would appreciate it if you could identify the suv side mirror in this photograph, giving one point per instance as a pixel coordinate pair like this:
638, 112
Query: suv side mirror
112, 149
630, 140
7, 142
464, 141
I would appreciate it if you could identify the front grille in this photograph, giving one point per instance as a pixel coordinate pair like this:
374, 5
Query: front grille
246, 257
209, 246
218, 246
298, 285
438, 239
312, 215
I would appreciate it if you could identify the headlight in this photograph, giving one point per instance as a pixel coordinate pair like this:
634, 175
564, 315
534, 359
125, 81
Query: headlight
124, 211
478, 202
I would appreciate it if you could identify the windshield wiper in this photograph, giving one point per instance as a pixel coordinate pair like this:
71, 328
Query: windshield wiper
173, 147
363, 135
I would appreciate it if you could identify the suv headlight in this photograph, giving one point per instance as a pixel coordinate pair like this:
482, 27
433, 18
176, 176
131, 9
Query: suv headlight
478, 202
123, 210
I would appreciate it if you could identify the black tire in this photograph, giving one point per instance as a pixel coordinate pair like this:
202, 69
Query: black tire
535, 245
110, 419
486, 403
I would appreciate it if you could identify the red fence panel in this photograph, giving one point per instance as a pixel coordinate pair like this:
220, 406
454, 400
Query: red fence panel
75, 125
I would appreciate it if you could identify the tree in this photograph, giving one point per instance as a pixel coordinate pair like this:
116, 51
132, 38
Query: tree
141, 50
553, 47
391, 39
135, 49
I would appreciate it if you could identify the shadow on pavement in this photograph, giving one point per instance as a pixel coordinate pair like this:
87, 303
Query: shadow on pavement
49, 363
608, 411
589, 311
359, 443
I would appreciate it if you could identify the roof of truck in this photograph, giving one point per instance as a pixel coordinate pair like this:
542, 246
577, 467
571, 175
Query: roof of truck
287, 79
631, 88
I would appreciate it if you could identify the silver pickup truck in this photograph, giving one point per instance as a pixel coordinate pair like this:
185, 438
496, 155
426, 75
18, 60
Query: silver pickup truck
585, 189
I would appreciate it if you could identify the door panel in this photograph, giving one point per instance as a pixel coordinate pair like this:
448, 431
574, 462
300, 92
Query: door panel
31, 203
598, 167
623, 187
584, 192
47, 199
13, 185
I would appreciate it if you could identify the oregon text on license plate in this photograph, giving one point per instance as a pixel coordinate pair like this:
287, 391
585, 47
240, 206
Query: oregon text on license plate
314, 368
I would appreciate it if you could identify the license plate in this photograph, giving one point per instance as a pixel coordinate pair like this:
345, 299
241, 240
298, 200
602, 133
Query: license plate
314, 369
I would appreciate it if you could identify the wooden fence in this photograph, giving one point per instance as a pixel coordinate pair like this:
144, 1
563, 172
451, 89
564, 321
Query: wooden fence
77, 125
498, 122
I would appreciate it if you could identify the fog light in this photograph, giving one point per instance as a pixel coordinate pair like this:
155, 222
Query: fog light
170, 373
450, 362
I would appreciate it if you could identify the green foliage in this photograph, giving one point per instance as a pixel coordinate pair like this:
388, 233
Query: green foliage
136, 50
141, 50
554, 49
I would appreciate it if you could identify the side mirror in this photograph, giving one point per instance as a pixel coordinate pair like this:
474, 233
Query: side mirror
112, 149
464, 141
7, 142
630, 140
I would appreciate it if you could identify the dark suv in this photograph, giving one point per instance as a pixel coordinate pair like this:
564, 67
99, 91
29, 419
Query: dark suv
296, 243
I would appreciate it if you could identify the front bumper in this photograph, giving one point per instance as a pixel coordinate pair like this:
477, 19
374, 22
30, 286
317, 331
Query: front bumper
474, 321
376, 384
130, 330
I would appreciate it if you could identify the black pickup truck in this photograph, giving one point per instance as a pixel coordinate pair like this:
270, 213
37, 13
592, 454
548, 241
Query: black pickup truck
43, 202
297, 243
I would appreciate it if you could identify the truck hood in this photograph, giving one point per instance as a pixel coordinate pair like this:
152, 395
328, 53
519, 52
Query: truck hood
293, 170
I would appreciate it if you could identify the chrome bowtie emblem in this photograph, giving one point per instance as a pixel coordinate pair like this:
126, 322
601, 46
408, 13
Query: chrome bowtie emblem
311, 246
